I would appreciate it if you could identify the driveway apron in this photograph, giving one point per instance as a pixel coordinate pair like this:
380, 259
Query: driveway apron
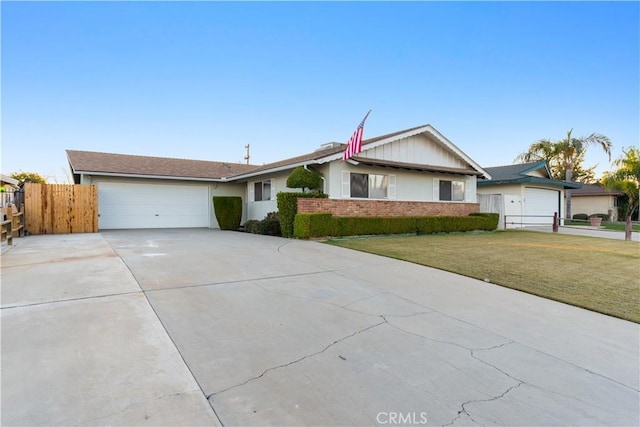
271, 331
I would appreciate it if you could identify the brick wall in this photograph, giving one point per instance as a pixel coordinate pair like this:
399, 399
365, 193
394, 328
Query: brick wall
386, 208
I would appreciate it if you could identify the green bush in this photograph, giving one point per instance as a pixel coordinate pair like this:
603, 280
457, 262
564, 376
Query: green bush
324, 224
288, 208
312, 225
270, 225
252, 226
605, 217
581, 216
228, 210
304, 178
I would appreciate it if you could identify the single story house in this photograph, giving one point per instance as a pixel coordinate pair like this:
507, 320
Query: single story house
415, 171
523, 194
595, 199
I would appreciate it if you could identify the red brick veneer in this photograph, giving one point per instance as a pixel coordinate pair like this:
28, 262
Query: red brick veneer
385, 208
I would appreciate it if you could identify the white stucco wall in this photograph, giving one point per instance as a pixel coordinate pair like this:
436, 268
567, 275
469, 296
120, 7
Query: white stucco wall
594, 204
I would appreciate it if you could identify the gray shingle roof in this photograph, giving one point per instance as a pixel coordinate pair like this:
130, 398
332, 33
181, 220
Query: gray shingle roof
126, 164
595, 190
512, 172
516, 174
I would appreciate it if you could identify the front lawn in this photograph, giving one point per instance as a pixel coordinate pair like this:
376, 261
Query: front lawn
593, 273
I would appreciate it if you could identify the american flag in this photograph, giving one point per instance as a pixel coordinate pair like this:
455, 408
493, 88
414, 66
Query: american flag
354, 146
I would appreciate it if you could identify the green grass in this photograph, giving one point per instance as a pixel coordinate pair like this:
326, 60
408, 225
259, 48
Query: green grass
593, 273
616, 226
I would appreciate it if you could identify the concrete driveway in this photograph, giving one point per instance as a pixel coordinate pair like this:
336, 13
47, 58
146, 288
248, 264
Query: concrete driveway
203, 327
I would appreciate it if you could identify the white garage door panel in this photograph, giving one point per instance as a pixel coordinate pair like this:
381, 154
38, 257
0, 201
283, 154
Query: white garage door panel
152, 206
540, 202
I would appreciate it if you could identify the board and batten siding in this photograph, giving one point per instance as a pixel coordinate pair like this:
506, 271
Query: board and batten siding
418, 149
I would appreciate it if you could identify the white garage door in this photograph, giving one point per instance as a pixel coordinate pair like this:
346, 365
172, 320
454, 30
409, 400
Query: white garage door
130, 205
540, 205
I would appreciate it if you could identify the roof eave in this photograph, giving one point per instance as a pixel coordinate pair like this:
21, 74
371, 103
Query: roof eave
535, 180
242, 176
133, 175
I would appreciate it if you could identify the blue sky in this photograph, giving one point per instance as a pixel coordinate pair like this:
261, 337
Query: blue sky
200, 80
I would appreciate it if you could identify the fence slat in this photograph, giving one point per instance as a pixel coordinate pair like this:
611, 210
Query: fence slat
61, 208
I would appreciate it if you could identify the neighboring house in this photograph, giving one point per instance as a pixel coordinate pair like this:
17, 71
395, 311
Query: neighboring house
594, 199
410, 172
8, 187
524, 193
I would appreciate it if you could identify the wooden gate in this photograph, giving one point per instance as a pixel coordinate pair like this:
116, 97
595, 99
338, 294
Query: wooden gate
60, 208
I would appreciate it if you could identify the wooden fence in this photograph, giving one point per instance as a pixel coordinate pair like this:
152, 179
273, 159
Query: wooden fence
60, 208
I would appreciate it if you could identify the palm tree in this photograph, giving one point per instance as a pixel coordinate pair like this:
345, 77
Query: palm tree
626, 177
565, 154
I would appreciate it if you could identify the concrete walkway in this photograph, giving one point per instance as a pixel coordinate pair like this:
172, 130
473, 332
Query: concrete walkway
203, 327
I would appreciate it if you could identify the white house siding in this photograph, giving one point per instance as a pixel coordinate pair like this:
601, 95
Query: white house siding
259, 209
409, 185
418, 149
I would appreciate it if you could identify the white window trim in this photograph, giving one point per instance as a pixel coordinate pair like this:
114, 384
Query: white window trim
346, 186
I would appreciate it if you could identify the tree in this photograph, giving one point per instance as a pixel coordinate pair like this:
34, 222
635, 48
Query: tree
304, 178
626, 178
566, 155
33, 177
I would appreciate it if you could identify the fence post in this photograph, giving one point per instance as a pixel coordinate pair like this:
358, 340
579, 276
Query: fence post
555, 222
627, 228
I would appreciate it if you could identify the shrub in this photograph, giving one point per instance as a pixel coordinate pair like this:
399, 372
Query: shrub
270, 225
228, 210
605, 217
252, 226
304, 178
581, 216
288, 207
324, 224
312, 225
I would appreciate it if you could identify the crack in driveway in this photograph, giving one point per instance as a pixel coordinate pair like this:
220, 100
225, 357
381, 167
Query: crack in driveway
284, 365
463, 409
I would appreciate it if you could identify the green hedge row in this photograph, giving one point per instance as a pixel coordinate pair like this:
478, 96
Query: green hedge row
228, 210
288, 208
308, 225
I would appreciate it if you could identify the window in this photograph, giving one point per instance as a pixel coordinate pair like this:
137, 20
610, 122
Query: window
359, 185
369, 186
452, 190
262, 190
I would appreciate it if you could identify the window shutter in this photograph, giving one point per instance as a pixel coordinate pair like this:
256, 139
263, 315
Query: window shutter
436, 189
392, 187
469, 195
346, 184
251, 195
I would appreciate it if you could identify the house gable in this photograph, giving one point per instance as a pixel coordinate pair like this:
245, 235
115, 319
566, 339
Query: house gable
416, 149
